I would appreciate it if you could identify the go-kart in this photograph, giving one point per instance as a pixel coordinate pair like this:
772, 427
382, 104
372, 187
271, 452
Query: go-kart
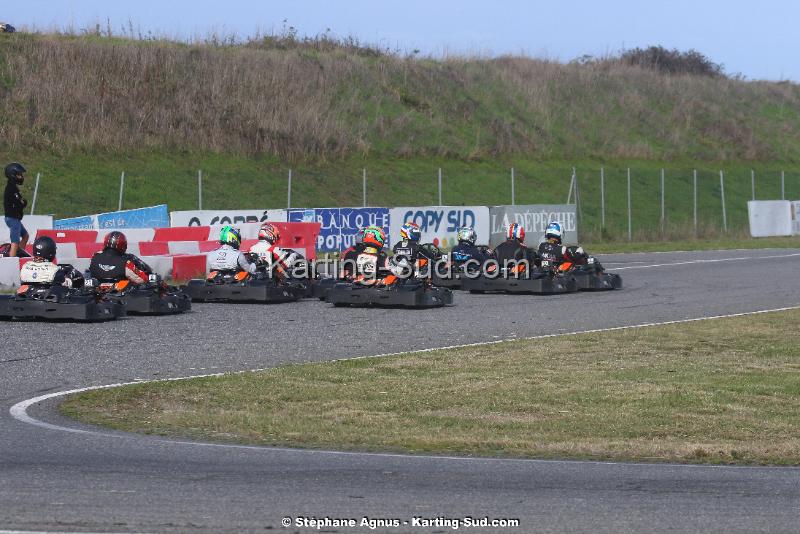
231, 286
58, 302
153, 297
504, 280
404, 293
590, 275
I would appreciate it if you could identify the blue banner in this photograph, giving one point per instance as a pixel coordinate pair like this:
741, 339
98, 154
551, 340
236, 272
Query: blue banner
153, 217
75, 223
339, 226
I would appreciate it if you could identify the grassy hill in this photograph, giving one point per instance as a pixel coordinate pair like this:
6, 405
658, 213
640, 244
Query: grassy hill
82, 109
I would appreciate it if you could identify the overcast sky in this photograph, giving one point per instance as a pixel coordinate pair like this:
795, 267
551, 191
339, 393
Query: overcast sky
756, 38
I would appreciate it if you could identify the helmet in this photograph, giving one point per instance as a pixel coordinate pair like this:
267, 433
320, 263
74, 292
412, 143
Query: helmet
553, 231
467, 233
410, 230
44, 247
117, 241
269, 233
15, 171
374, 236
516, 231
230, 236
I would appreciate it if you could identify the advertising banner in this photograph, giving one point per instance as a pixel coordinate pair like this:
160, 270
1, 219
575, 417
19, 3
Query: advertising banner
440, 223
222, 217
152, 217
534, 218
339, 226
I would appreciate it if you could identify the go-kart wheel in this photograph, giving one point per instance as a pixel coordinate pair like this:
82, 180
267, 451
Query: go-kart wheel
477, 291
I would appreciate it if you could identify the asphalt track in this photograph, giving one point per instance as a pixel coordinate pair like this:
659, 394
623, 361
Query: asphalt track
54, 480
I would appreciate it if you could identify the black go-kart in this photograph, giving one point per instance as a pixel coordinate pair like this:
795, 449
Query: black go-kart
153, 297
411, 293
231, 286
591, 276
537, 281
60, 303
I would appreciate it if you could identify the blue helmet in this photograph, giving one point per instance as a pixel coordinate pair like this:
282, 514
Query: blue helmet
553, 231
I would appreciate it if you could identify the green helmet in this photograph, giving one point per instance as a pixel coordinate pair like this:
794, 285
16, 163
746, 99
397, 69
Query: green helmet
230, 236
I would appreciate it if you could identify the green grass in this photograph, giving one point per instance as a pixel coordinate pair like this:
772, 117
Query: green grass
80, 183
715, 391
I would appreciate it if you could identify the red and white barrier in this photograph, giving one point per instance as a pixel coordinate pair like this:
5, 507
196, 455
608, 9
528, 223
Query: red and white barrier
181, 240
181, 267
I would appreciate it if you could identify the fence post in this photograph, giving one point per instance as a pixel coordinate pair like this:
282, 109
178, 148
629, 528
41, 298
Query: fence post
602, 199
753, 183
663, 215
199, 189
694, 204
512, 186
630, 227
364, 176
289, 191
571, 185
35, 192
121, 189
722, 195
783, 186
440, 186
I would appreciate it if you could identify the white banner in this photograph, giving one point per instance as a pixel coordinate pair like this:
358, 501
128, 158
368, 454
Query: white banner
440, 223
770, 217
223, 217
32, 223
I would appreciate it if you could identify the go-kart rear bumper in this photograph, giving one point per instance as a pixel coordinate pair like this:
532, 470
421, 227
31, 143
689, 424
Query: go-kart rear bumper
248, 291
404, 296
546, 285
77, 308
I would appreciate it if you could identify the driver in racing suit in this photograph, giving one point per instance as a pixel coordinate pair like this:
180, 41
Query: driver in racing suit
372, 264
465, 253
43, 270
512, 253
554, 256
228, 257
114, 264
274, 259
407, 252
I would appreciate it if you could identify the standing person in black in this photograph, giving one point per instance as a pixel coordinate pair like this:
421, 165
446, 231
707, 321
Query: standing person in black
13, 204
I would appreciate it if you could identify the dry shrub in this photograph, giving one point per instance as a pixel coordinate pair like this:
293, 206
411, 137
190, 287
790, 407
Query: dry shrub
326, 98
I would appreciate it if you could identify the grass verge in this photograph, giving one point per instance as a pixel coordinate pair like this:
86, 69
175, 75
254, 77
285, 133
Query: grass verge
716, 391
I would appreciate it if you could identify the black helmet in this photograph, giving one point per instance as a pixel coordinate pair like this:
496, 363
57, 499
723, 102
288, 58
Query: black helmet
44, 247
15, 171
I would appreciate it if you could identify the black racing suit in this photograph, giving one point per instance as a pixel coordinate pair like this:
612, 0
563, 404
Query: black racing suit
414, 254
551, 255
347, 260
466, 254
110, 265
513, 255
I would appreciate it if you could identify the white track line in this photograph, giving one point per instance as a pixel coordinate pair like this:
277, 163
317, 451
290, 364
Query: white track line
20, 413
691, 262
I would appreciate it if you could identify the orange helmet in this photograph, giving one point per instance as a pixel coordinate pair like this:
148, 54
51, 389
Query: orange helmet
269, 233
